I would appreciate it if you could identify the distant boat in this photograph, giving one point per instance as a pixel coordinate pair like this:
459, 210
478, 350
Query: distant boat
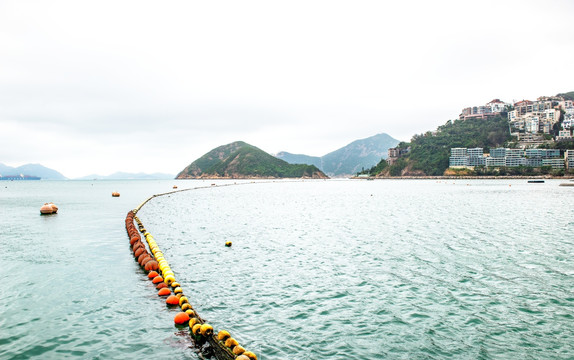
535, 181
19, 177
175, 186
115, 194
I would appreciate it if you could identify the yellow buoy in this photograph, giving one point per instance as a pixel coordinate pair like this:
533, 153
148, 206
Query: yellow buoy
206, 330
228, 243
223, 335
238, 350
196, 328
250, 355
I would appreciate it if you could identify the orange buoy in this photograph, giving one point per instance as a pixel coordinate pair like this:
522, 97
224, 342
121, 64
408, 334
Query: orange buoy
157, 280
152, 274
181, 318
139, 251
115, 194
161, 285
46, 209
143, 258
172, 300
164, 292
151, 265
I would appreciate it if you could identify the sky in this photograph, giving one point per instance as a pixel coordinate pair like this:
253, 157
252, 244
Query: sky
95, 87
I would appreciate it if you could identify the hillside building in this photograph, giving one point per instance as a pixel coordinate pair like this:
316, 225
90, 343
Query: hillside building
505, 157
488, 110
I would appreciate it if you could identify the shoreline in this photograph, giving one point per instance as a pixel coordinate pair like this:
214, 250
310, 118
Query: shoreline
510, 177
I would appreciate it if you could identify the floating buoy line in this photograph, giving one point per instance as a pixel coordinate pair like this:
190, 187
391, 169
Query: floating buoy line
220, 344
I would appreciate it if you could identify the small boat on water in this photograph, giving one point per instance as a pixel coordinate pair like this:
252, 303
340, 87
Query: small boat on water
115, 194
536, 181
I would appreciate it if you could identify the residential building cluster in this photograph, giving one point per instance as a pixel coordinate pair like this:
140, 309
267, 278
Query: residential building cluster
540, 116
499, 157
490, 109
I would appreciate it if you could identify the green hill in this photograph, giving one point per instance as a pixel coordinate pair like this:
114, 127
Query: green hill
430, 152
568, 95
240, 160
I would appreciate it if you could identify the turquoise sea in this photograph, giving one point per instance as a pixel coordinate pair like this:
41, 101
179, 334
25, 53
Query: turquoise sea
390, 269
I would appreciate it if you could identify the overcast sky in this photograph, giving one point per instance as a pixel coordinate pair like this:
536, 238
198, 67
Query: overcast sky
148, 86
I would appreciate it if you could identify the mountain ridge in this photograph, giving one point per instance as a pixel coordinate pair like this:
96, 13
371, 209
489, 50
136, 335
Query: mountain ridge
349, 159
38, 170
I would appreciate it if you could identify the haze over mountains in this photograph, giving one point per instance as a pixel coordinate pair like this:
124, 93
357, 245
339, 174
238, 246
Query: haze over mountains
348, 160
32, 170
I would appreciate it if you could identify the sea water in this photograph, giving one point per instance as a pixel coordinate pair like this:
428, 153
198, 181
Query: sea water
390, 269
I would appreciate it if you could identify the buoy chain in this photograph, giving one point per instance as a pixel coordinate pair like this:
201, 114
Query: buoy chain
160, 273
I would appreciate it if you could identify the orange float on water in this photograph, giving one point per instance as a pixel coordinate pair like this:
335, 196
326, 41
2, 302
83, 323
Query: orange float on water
157, 280
181, 318
151, 265
46, 209
164, 292
139, 251
172, 300
115, 194
161, 285
152, 274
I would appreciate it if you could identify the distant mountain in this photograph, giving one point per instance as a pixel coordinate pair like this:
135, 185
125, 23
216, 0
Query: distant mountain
33, 170
299, 159
128, 176
240, 160
350, 159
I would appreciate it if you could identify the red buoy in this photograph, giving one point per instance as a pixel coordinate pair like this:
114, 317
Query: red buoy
181, 318
164, 292
161, 285
152, 274
157, 279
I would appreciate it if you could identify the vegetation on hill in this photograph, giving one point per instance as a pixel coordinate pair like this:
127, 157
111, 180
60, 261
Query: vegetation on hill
430, 152
568, 95
241, 160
